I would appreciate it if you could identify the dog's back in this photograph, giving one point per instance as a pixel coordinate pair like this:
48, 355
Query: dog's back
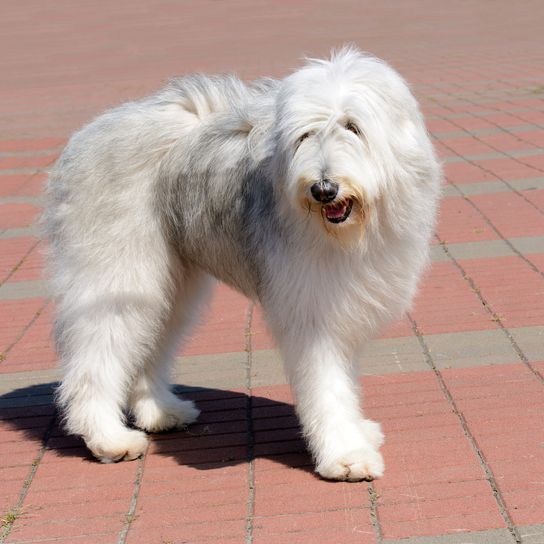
109, 165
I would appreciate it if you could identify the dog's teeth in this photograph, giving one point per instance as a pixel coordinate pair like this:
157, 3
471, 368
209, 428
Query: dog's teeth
336, 211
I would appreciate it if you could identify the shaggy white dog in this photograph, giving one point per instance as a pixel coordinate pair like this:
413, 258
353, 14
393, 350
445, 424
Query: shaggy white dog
314, 195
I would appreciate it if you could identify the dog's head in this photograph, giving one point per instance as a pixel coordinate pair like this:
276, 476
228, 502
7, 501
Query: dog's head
347, 129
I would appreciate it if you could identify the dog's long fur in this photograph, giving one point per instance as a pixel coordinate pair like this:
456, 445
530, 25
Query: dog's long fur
213, 178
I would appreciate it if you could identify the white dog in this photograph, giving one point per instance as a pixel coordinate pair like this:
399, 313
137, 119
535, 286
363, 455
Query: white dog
314, 195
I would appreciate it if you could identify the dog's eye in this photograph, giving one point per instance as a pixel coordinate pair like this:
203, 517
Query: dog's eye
302, 138
352, 127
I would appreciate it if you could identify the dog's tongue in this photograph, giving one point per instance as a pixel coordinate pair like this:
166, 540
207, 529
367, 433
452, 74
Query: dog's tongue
335, 211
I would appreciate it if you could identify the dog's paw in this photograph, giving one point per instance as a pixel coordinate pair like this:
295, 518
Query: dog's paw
127, 445
373, 432
363, 464
175, 414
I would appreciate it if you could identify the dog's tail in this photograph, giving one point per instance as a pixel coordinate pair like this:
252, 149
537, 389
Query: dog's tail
203, 95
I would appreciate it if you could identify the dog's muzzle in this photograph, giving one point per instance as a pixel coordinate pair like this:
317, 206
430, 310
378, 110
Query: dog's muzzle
325, 193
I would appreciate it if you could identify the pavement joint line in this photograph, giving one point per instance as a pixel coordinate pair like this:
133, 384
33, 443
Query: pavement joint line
524, 359
130, 515
24, 331
17, 508
490, 477
374, 518
19, 264
250, 515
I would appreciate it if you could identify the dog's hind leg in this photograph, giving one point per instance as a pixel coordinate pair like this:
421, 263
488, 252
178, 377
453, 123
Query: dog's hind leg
154, 406
111, 315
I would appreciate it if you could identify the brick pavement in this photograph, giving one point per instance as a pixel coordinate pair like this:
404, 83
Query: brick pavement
458, 384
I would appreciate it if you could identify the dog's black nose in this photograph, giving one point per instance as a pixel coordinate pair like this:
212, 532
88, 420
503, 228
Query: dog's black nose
324, 191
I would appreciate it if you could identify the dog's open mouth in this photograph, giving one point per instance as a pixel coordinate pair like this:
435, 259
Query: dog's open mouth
338, 212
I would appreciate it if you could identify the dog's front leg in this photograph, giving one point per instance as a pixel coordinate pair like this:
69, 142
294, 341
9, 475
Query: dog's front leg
343, 443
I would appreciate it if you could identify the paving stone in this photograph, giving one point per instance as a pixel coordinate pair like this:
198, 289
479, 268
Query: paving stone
451, 524
23, 199
512, 216
12, 253
511, 288
468, 156
467, 173
527, 184
490, 248
32, 230
438, 254
460, 222
473, 348
528, 245
450, 190
532, 534
222, 325
480, 188
224, 370
392, 355
497, 536
23, 289
27, 144
32, 269
17, 216
530, 340
266, 368
447, 303
478, 250
12, 184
